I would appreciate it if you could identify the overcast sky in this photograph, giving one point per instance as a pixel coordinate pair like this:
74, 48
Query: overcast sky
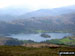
36, 4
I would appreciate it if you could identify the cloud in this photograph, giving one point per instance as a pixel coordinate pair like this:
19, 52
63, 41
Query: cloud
36, 4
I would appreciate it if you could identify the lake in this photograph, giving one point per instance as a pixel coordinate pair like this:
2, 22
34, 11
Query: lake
38, 38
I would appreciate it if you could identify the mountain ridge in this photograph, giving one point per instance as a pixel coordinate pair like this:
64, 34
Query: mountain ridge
15, 13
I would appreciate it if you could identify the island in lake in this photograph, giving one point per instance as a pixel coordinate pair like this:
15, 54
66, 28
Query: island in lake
45, 35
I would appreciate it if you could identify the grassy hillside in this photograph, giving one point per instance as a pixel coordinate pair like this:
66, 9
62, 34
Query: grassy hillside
64, 41
61, 23
9, 41
68, 40
25, 51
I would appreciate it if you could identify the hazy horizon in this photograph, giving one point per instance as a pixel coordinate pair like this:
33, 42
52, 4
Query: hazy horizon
35, 4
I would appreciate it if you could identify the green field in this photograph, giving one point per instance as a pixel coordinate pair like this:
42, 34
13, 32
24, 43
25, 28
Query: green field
25, 51
65, 41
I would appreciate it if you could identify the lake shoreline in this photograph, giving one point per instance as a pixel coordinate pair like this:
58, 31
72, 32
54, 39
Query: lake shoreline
37, 37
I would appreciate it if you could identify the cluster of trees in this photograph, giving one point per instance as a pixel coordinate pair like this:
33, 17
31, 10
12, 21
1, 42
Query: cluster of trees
10, 41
